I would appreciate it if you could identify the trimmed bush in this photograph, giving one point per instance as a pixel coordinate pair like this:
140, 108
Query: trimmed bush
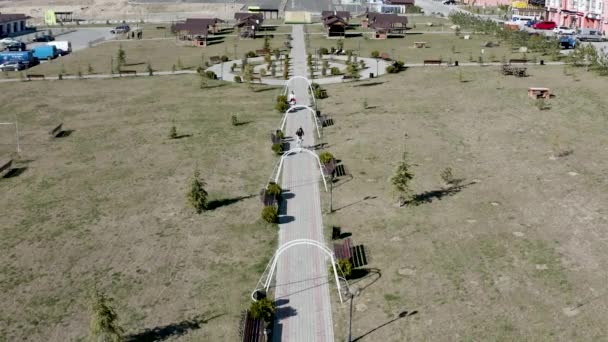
251, 54
323, 51
210, 75
375, 54
334, 71
282, 105
224, 59
264, 309
274, 189
238, 79
277, 148
270, 214
325, 157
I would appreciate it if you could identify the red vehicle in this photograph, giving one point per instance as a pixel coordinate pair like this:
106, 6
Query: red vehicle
545, 25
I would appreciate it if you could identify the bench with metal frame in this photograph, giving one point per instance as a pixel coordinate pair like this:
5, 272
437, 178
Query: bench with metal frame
56, 131
252, 329
432, 62
34, 76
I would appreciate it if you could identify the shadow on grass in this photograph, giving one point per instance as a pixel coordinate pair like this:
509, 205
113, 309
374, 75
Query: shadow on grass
429, 196
134, 64
242, 123
286, 219
401, 315
64, 134
264, 89
169, 331
181, 136
226, 201
371, 84
15, 172
356, 202
359, 275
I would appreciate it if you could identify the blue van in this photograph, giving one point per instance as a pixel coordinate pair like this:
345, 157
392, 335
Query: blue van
45, 52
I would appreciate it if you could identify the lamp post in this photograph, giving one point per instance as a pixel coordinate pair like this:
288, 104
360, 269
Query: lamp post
376, 67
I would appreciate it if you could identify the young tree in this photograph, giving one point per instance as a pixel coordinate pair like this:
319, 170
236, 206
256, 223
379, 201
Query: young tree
264, 309
90, 69
121, 57
197, 195
103, 325
267, 43
401, 179
173, 132
149, 69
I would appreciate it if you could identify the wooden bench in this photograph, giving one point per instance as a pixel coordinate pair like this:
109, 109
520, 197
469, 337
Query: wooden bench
432, 62
5, 164
515, 71
56, 131
326, 121
343, 250
262, 52
252, 329
385, 56
359, 256
538, 93
160, 27
518, 60
35, 76
420, 45
127, 72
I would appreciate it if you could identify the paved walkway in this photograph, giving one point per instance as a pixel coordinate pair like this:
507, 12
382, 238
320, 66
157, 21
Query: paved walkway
302, 289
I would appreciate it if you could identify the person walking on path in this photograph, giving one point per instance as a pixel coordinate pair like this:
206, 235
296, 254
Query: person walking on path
292, 98
300, 134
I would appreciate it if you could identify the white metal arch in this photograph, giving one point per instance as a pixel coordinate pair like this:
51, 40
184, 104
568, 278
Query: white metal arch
312, 93
312, 112
275, 258
295, 150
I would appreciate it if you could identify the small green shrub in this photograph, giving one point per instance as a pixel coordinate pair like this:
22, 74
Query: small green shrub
282, 105
334, 71
172, 132
251, 54
274, 189
375, 54
325, 157
323, 51
234, 120
390, 69
238, 79
277, 148
224, 58
264, 309
210, 75
270, 214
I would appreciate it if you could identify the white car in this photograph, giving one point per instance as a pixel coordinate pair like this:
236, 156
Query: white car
564, 30
8, 41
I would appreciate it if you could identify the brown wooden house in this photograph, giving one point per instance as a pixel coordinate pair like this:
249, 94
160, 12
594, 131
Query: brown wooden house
248, 23
344, 15
335, 26
385, 24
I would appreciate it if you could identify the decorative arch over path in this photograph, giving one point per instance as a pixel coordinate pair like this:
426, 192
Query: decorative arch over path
275, 258
296, 150
312, 112
312, 93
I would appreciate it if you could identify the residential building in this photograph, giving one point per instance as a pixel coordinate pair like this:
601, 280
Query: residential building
579, 13
12, 24
389, 6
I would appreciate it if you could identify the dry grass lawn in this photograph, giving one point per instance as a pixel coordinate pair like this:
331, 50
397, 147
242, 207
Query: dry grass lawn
518, 252
107, 204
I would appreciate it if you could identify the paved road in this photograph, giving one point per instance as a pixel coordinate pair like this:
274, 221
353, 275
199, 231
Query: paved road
302, 290
80, 37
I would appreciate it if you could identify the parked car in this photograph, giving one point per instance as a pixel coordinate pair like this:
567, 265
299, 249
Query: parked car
8, 41
24, 57
18, 46
567, 42
531, 23
589, 35
563, 30
449, 2
12, 66
63, 46
45, 52
45, 38
120, 29
545, 25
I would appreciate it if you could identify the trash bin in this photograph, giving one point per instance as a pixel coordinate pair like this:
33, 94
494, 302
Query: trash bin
542, 62
371, 75
455, 63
